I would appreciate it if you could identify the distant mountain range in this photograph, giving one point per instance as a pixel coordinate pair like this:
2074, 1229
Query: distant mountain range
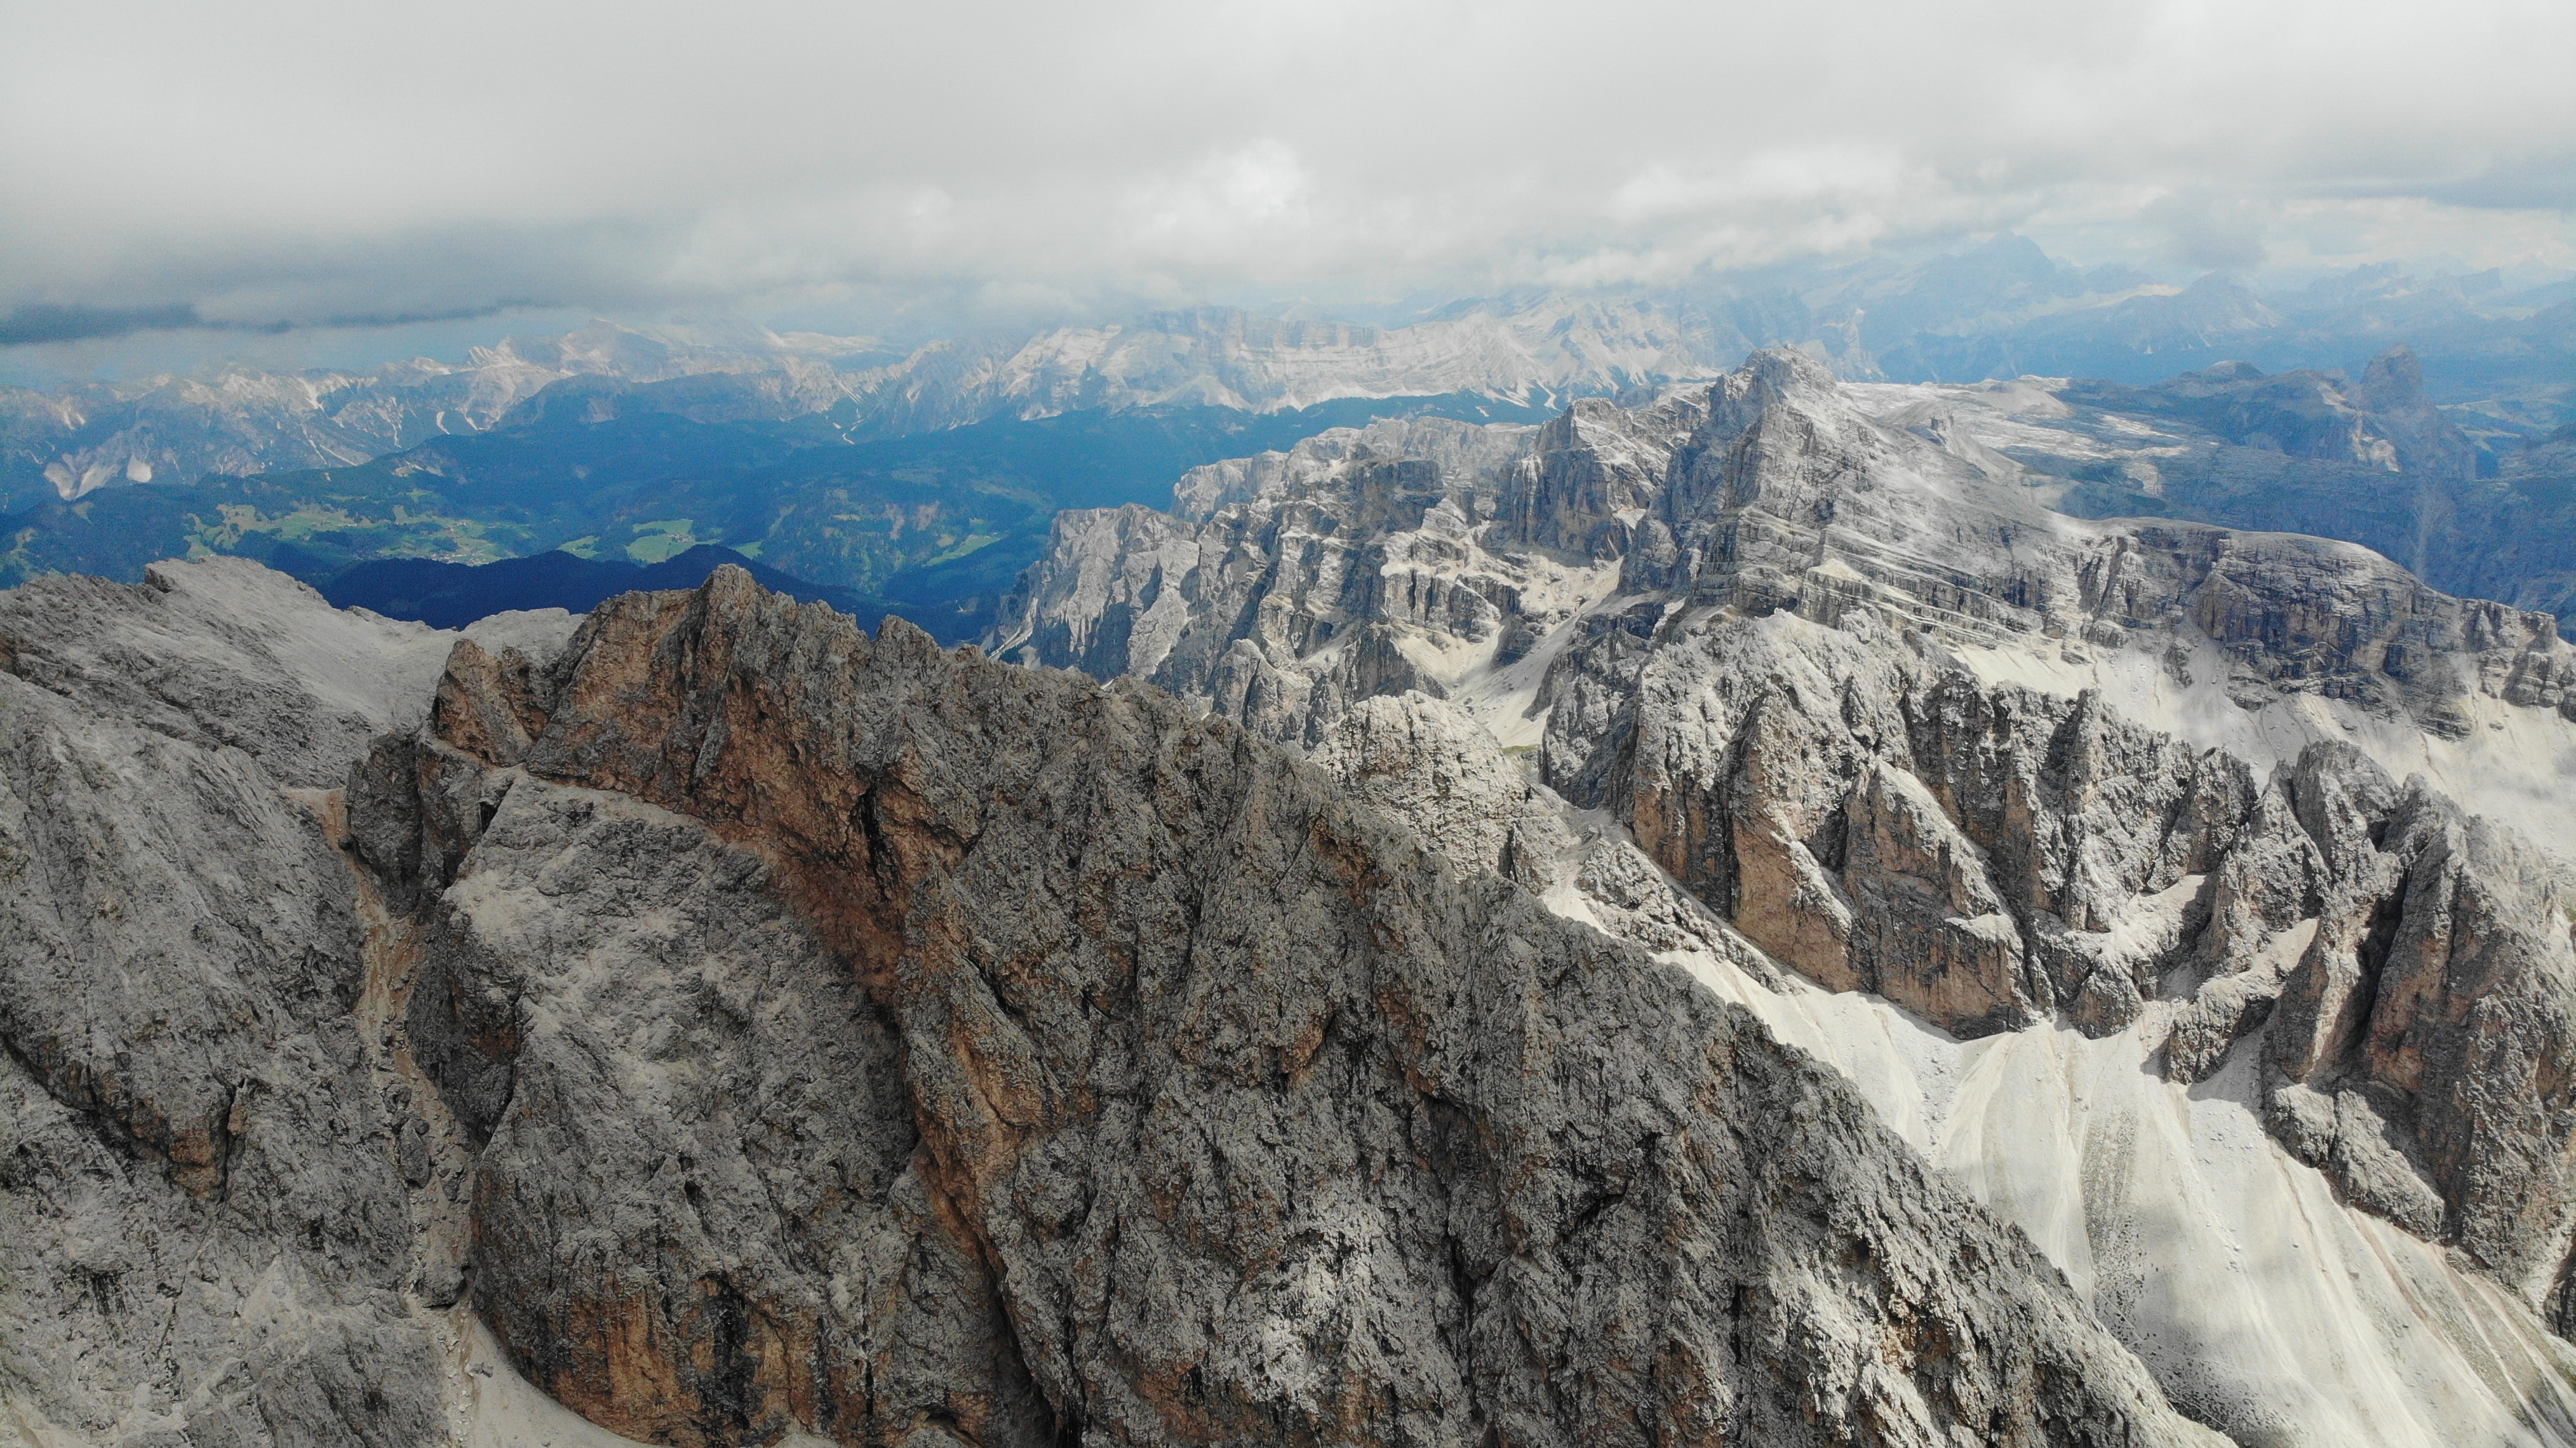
927, 479
2003, 309
2479, 513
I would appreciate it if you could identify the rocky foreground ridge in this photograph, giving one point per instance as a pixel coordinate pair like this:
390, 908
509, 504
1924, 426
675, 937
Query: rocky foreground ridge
1892, 726
765, 1029
1775, 937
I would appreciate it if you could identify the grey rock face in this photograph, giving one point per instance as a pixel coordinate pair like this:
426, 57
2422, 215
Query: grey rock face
1450, 447
1765, 682
1878, 824
223, 1198
1287, 609
203, 1227
2422, 1042
1983, 856
1771, 492
1248, 1115
698, 1208
225, 652
1433, 767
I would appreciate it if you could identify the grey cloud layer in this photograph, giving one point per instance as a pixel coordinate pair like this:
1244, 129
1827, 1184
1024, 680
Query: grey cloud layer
274, 161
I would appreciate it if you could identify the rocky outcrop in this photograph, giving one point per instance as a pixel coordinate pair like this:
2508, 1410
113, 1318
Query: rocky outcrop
223, 653
1111, 1073
214, 1179
1432, 766
2421, 1050
1869, 703
1286, 610
1771, 492
204, 1232
699, 1206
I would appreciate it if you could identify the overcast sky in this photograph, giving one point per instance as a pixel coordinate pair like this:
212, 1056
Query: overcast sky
266, 162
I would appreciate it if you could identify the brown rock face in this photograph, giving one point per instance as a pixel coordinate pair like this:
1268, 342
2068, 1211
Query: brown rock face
1105, 1073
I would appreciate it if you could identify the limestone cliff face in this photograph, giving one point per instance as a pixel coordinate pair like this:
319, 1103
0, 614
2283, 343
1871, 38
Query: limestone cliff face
1031, 1059
1989, 856
1364, 568
1898, 728
206, 1231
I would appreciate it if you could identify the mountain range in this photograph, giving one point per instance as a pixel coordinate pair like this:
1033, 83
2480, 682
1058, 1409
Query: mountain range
2001, 310
2093, 852
926, 478
1725, 918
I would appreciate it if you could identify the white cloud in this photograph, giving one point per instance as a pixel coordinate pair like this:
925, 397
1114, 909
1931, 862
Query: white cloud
269, 159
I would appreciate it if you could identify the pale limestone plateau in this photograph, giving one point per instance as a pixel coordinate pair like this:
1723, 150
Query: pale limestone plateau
1845, 706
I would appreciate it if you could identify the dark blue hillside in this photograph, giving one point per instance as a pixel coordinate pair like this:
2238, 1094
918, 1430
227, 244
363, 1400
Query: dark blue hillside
452, 595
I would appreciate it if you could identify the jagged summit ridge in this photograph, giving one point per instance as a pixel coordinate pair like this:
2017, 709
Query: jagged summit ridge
765, 1027
1771, 491
1892, 727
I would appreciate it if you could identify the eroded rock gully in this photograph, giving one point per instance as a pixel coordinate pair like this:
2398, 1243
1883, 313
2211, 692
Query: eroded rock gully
1900, 729
1989, 857
765, 1028
882, 1042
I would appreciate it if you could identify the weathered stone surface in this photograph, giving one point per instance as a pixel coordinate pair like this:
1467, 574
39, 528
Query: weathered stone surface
1867, 699
225, 652
2435, 1015
1432, 766
1268, 1123
1429, 764
699, 1211
202, 1226
1298, 584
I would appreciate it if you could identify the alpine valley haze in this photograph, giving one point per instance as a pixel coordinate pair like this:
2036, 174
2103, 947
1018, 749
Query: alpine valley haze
1399, 727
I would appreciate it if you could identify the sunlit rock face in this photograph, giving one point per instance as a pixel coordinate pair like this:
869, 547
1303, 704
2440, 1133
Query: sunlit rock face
1724, 920
741, 1027
2214, 800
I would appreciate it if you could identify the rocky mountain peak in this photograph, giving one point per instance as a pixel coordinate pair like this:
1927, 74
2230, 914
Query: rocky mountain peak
2394, 378
743, 1026
753, 1028
1815, 701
